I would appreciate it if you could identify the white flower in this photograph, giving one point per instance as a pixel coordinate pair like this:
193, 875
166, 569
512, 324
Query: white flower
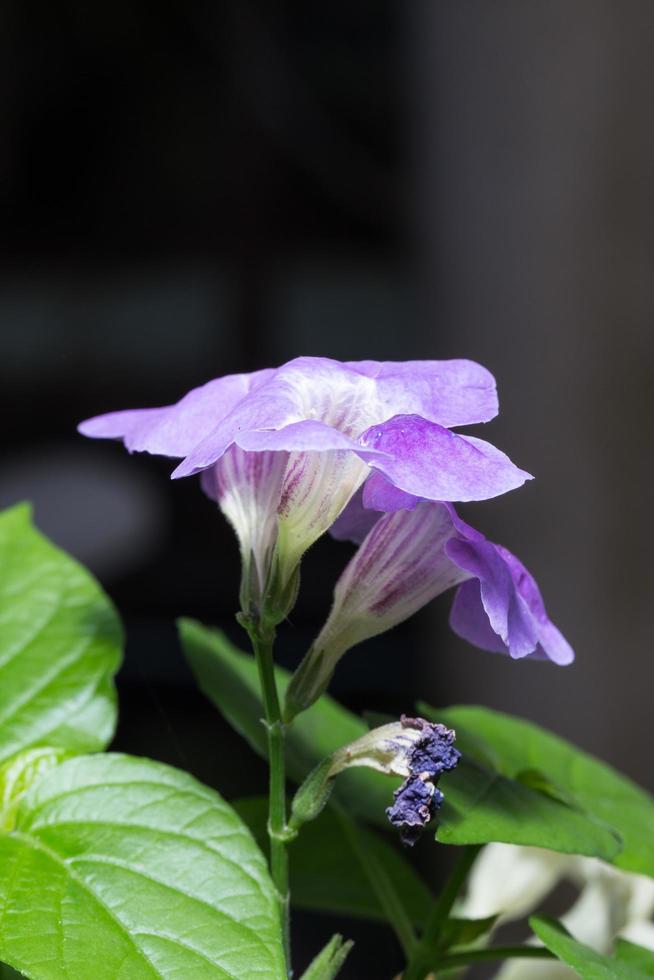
511, 882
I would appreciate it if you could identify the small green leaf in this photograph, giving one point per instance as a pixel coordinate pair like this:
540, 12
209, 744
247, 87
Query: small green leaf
329, 961
312, 796
637, 956
18, 774
125, 868
594, 786
462, 932
588, 964
60, 645
326, 875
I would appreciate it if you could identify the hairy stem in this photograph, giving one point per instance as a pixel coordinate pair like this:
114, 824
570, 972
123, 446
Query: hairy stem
262, 639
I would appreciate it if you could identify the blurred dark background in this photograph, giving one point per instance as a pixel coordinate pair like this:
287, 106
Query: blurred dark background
188, 190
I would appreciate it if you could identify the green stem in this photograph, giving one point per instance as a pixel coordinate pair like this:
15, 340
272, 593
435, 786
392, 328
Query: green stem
425, 951
381, 884
262, 639
466, 957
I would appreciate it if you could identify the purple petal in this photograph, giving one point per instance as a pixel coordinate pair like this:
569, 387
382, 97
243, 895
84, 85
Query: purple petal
552, 642
502, 609
380, 494
316, 404
355, 521
306, 436
468, 619
554, 645
363, 511
131, 425
175, 430
427, 460
401, 565
456, 392
508, 614
469, 533
302, 436
308, 404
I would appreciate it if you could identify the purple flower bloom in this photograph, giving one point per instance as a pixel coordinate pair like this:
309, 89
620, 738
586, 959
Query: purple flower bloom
406, 558
318, 428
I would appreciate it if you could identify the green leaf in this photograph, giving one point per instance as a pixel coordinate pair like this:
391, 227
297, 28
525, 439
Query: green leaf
329, 961
481, 805
462, 932
60, 645
125, 869
637, 956
326, 875
537, 780
312, 796
520, 745
588, 964
230, 680
18, 774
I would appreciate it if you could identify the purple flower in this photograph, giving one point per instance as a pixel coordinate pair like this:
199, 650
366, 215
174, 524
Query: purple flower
406, 558
284, 450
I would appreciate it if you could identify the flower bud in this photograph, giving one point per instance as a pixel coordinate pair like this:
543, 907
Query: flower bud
247, 488
400, 565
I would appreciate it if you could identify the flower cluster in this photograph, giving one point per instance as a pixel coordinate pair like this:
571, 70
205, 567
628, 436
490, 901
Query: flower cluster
364, 449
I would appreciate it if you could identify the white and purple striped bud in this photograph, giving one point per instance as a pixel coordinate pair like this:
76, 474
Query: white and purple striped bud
400, 566
408, 557
247, 488
279, 503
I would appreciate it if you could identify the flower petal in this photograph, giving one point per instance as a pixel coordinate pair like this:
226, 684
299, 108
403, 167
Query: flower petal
427, 460
380, 494
175, 430
364, 509
309, 403
355, 521
639, 932
344, 399
503, 611
469, 620
511, 881
456, 392
317, 488
308, 435
248, 488
400, 566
